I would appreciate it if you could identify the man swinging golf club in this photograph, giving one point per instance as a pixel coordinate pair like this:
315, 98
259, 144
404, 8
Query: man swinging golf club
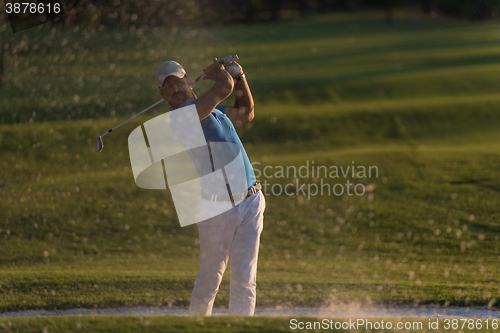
235, 234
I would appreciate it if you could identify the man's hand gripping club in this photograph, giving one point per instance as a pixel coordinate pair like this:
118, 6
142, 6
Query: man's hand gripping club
230, 64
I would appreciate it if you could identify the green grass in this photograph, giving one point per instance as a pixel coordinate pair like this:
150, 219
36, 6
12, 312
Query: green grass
417, 100
74, 234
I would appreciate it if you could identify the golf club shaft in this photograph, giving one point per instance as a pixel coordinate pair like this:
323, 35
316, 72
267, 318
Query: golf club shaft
161, 100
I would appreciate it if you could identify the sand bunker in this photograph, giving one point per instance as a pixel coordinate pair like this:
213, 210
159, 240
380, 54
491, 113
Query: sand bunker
324, 312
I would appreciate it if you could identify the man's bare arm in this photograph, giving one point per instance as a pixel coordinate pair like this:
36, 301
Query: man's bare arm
243, 110
222, 88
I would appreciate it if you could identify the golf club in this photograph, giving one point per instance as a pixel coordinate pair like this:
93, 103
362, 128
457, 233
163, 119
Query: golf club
100, 145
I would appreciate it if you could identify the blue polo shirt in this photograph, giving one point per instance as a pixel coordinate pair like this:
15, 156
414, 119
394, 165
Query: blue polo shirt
217, 127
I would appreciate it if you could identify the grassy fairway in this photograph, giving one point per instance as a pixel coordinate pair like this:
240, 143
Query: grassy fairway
418, 101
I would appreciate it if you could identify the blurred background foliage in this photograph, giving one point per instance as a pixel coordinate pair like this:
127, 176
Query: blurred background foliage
174, 14
192, 13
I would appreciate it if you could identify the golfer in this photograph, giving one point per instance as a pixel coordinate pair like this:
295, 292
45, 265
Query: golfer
235, 234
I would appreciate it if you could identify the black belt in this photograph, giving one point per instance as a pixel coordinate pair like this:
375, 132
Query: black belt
235, 197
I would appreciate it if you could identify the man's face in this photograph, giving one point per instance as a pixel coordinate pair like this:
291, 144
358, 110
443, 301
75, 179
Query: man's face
177, 91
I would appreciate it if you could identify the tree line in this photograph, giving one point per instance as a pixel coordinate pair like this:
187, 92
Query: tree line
178, 13
181, 13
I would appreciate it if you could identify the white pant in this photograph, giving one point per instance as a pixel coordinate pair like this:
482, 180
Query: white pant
235, 234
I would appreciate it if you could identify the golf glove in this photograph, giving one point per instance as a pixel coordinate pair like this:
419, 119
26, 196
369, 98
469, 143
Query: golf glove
234, 69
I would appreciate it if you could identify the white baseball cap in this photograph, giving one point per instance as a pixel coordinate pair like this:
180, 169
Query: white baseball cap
168, 68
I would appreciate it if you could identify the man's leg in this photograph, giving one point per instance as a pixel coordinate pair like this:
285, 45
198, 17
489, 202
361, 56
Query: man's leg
216, 235
244, 254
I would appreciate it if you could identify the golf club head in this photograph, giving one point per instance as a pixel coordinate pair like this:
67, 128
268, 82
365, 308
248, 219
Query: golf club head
100, 145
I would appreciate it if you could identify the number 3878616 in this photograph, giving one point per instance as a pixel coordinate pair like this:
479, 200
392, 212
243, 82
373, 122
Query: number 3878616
470, 324
32, 8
